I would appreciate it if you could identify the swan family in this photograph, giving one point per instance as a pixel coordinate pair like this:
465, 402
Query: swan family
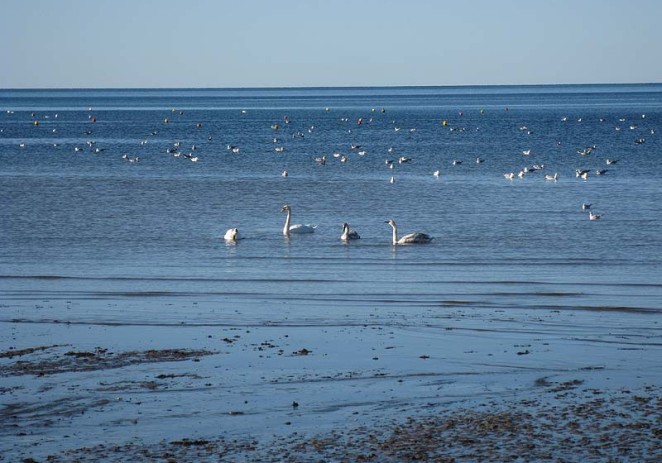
232, 235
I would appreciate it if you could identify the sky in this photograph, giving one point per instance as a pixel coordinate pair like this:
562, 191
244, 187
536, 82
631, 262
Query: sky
322, 43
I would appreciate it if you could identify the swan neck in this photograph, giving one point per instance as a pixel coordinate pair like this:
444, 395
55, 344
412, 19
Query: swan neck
395, 234
286, 228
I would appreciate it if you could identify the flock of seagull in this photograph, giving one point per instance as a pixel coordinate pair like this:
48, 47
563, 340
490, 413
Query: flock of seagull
347, 235
232, 235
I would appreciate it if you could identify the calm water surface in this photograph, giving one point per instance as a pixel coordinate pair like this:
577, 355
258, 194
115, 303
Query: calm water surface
88, 236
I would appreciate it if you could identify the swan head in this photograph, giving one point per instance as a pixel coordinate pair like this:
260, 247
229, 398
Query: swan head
391, 222
345, 226
285, 208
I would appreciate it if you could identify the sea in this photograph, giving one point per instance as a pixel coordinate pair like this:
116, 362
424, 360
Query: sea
115, 202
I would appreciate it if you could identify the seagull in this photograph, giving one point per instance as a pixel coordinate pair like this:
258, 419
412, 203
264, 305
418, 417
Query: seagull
593, 216
586, 206
553, 178
436, 173
581, 173
409, 238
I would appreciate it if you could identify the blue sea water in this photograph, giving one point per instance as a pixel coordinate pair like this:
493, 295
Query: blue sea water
105, 240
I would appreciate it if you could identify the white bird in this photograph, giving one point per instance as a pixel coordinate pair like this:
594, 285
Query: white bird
509, 176
593, 216
409, 238
298, 228
391, 180
526, 152
231, 235
581, 172
284, 173
436, 173
553, 178
347, 234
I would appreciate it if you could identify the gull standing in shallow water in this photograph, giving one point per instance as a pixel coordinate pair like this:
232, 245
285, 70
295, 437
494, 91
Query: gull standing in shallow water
348, 235
298, 228
409, 238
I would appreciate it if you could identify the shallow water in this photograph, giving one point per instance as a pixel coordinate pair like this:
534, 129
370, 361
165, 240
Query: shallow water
91, 226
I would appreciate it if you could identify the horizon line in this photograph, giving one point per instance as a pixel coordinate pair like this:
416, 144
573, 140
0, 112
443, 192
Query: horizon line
342, 87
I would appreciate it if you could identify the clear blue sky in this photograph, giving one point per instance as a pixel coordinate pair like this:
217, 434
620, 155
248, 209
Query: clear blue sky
276, 43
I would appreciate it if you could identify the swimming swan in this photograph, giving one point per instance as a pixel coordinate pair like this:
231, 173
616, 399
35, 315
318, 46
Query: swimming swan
298, 228
231, 235
347, 234
410, 238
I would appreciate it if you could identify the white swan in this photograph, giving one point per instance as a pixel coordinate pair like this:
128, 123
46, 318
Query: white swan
410, 238
298, 228
231, 235
347, 234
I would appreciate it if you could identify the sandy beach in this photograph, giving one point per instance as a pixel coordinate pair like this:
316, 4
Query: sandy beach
472, 386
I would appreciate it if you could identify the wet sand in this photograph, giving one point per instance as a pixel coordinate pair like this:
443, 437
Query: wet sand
471, 386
